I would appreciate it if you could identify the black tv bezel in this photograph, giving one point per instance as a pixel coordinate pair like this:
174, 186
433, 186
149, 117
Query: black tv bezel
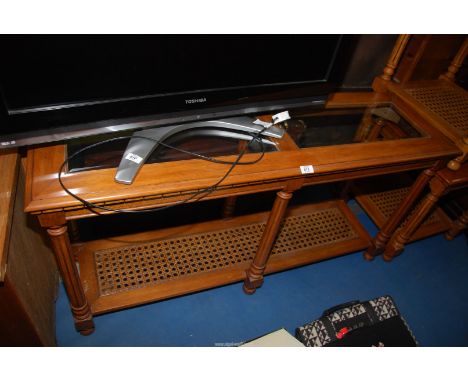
55, 123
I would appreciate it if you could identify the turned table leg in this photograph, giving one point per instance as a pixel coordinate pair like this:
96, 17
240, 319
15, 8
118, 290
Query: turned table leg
397, 244
71, 280
380, 241
73, 231
346, 190
457, 226
254, 275
229, 207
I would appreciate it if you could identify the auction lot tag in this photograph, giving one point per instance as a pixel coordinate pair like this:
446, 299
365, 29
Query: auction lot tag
281, 117
307, 169
134, 158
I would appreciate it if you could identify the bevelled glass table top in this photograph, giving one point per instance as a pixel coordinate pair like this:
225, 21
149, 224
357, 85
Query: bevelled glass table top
344, 126
306, 128
200, 141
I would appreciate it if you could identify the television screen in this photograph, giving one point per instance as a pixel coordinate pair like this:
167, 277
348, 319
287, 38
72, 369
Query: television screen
57, 87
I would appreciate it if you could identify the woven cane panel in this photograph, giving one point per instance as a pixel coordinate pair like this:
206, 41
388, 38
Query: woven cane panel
388, 201
447, 102
150, 263
322, 227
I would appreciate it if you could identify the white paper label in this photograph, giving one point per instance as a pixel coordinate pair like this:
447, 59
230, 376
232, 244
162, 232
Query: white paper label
262, 123
134, 158
280, 117
307, 169
7, 143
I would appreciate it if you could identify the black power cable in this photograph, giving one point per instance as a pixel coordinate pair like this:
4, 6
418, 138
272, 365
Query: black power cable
195, 196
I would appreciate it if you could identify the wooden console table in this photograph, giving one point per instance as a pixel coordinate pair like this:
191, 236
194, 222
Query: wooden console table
129, 270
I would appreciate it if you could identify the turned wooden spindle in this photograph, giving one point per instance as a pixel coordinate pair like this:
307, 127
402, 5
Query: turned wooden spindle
66, 263
254, 275
73, 231
229, 207
380, 241
395, 56
456, 63
365, 125
375, 130
457, 226
379, 84
397, 244
345, 190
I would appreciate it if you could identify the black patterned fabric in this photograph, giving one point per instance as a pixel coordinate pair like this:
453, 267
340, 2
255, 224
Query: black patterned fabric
349, 321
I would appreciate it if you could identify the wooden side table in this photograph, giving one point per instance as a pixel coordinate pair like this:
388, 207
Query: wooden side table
381, 197
443, 182
120, 272
444, 106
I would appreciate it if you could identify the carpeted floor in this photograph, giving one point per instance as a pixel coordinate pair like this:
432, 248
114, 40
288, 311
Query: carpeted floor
428, 283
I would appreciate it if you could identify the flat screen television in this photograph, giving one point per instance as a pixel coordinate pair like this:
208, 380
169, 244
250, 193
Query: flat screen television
61, 87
